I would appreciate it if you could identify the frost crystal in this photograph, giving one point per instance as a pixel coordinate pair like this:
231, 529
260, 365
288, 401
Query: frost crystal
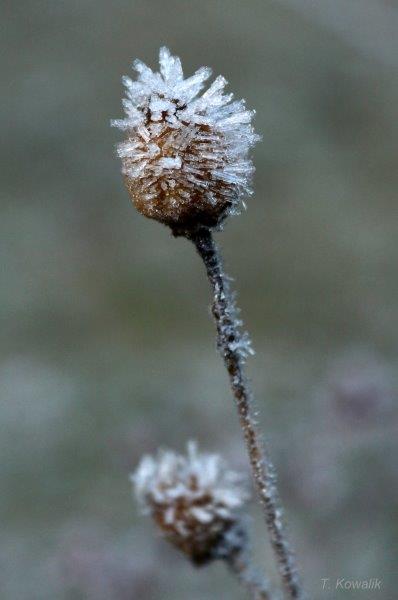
195, 500
185, 159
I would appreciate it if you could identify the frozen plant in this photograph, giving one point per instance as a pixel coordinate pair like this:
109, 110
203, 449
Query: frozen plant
185, 159
186, 163
196, 502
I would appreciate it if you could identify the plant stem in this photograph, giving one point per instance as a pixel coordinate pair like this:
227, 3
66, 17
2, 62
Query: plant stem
240, 566
232, 345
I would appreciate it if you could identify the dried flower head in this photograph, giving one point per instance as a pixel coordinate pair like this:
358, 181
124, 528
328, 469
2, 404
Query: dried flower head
195, 501
185, 159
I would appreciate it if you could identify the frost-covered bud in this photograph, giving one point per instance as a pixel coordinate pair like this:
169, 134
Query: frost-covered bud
185, 157
195, 500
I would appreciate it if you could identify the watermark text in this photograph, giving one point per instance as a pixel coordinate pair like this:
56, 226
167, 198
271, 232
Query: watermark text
344, 583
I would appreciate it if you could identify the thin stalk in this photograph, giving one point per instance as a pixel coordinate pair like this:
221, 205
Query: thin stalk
240, 566
232, 345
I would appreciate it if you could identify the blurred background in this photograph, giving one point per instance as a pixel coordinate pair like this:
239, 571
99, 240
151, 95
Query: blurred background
108, 348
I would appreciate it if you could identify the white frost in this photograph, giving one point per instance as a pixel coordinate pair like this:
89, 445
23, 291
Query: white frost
162, 480
164, 104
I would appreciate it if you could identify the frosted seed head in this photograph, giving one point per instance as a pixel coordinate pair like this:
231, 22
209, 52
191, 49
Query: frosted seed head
195, 500
201, 170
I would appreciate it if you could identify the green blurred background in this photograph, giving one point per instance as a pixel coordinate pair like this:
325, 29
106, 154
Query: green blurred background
107, 344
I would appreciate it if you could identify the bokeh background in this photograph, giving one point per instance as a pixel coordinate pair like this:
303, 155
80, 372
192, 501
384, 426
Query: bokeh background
107, 345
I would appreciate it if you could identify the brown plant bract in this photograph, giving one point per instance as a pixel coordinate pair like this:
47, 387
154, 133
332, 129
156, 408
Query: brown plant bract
176, 203
201, 540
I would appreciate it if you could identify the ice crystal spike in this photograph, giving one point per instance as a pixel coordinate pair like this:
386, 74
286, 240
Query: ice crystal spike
195, 501
185, 158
